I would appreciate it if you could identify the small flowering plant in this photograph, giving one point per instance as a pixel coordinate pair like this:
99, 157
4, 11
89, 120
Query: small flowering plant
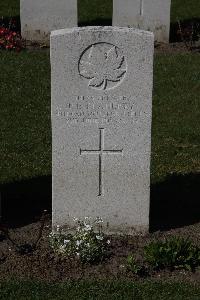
10, 39
88, 245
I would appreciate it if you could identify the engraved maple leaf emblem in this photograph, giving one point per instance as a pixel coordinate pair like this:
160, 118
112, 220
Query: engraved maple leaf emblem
102, 66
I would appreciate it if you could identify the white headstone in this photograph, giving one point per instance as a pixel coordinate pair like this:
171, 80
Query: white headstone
152, 15
101, 126
40, 17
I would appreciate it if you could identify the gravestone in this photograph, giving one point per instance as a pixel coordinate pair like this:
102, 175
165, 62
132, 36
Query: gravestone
40, 17
152, 15
101, 126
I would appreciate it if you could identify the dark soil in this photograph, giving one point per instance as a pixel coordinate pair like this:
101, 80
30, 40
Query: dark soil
43, 264
160, 48
179, 48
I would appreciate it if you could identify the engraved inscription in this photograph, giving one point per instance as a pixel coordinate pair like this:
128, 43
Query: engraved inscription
91, 113
103, 65
101, 152
99, 110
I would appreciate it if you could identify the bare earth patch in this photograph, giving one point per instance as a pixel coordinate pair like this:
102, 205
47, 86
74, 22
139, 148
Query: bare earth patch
43, 264
160, 48
176, 48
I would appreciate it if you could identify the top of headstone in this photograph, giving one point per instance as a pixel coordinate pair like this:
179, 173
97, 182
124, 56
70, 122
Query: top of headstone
102, 29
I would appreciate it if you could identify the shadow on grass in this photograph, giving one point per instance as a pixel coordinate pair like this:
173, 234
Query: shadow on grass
96, 22
24, 202
175, 202
190, 29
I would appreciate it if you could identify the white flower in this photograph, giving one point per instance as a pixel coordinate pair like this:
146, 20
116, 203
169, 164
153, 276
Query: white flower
88, 227
77, 253
75, 219
66, 242
108, 242
78, 243
100, 238
58, 228
99, 220
62, 248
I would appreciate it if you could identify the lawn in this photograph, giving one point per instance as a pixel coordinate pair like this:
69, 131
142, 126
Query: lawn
176, 115
25, 115
184, 10
99, 290
9, 8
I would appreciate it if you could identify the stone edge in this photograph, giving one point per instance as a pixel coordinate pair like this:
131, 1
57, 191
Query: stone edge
103, 29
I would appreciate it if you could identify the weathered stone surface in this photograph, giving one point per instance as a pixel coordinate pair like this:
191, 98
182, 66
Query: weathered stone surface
40, 17
152, 15
101, 126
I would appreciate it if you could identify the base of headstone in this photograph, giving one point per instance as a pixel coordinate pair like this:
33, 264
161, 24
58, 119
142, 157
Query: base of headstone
120, 230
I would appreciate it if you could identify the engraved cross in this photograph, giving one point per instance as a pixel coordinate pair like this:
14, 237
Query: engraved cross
101, 151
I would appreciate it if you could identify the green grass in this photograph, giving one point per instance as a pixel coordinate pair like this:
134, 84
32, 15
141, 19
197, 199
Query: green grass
9, 8
185, 10
25, 133
25, 115
98, 290
176, 115
90, 10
